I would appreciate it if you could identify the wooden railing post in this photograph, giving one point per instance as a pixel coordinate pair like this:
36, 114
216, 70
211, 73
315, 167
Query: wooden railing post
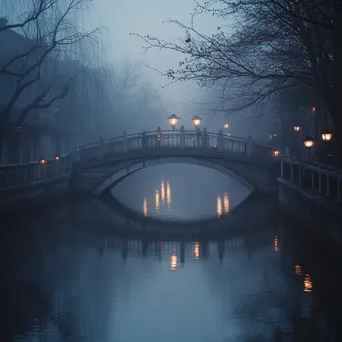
205, 141
220, 141
182, 137
143, 140
320, 180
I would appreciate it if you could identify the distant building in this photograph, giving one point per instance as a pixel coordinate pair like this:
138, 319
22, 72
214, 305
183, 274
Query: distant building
42, 133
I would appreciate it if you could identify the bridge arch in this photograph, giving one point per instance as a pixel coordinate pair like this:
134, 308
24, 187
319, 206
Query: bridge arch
124, 169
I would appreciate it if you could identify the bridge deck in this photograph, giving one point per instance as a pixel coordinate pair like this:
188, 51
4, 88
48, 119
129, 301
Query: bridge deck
261, 174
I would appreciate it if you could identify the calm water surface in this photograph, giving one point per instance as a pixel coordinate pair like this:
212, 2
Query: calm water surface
180, 191
69, 275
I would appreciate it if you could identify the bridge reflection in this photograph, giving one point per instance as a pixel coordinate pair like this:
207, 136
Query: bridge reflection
185, 250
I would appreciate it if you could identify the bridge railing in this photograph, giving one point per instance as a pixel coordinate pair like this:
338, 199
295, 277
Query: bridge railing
90, 154
318, 178
18, 175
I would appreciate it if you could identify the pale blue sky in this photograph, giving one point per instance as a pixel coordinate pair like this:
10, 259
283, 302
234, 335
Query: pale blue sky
146, 17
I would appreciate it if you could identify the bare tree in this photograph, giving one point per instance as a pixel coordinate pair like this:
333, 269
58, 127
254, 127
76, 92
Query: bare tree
270, 45
33, 68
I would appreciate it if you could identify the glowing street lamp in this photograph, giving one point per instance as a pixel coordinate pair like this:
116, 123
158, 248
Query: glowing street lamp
327, 136
196, 120
276, 153
297, 128
226, 125
173, 120
309, 142
42, 161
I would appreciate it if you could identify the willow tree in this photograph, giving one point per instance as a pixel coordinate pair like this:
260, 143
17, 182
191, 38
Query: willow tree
41, 41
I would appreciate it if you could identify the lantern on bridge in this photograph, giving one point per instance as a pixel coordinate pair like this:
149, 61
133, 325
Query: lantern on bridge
276, 153
173, 120
309, 142
196, 120
42, 161
326, 136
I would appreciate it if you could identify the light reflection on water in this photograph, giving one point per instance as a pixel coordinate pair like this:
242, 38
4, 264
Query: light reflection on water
180, 191
76, 283
94, 296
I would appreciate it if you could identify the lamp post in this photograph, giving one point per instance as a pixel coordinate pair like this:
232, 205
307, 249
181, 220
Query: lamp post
173, 120
309, 142
276, 153
326, 137
196, 120
298, 130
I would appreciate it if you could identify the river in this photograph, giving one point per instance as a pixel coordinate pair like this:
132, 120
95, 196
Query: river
71, 275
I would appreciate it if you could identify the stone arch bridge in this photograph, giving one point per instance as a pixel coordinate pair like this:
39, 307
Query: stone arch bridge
101, 165
95, 167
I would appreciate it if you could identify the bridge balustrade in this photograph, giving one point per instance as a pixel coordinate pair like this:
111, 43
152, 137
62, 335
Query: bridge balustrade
17, 175
91, 154
318, 178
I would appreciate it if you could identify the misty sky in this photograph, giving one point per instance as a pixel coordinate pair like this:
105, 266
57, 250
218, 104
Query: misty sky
120, 18
146, 17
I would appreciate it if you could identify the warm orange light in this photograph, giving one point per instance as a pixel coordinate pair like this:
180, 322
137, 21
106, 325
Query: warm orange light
196, 120
226, 203
309, 142
197, 250
173, 261
326, 136
57, 158
307, 283
173, 120
276, 244
42, 161
298, 270
145, 206
226, 125
276, 153
219, 206
157, 198
168, 195
162, 191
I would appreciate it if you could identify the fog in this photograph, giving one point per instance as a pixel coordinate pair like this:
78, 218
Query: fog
97, 79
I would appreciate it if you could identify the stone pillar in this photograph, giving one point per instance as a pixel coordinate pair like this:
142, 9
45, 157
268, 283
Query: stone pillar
182, 137
249, 146
124, 142
220, 141
143, 140
282, 168
101, 148
205, 141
